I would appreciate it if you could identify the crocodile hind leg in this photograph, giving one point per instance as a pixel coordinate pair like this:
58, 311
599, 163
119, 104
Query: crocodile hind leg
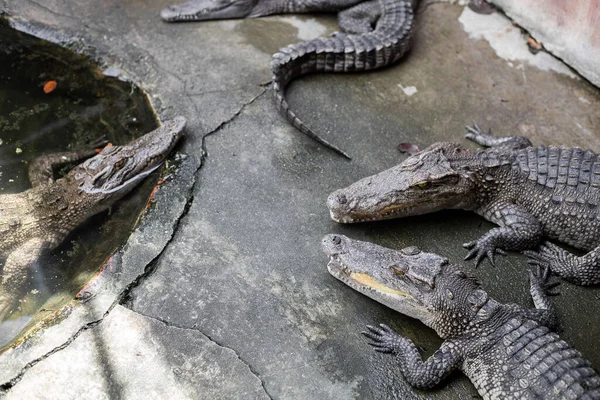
361, 18
14, 273
419, 373
475, 134
584, 270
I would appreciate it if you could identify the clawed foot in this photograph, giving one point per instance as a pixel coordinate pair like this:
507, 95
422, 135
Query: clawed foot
98, 142
383, 338
480, 249
475, 133
540, 276
551, 257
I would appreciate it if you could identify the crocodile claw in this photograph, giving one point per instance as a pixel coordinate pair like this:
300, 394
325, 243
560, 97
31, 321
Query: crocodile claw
98, 142
383, 338
480, 250
475, 132
540, 276
550, 256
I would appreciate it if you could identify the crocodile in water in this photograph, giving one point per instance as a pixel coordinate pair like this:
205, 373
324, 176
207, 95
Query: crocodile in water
507, 351
40, 218
377, 33
531, 192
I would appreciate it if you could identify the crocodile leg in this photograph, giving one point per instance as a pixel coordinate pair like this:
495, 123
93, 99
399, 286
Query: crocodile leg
14, 273
519, 230
361, 18
584, 270
488, 140
540, 289
419, 373
41, 169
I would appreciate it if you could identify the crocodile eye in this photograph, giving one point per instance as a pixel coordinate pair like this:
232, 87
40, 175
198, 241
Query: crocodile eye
119, 164
397, 271
424, 185
453, 180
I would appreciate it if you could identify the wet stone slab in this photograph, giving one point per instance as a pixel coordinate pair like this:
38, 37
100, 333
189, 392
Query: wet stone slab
245, 266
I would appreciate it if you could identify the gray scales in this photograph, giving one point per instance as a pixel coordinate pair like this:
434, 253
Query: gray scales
507, 351
39, 219
377, 33
531, 192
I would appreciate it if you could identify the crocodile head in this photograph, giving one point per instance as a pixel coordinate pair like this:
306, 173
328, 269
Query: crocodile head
203, 10
423, 183
421, 285
116, 170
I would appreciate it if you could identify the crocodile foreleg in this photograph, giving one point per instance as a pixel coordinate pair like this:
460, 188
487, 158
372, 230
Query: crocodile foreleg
419, 373
14, 273
519, 230
540, 289
41, 169
475, 134
584, 270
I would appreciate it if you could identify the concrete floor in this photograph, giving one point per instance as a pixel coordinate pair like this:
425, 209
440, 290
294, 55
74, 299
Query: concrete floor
223, 292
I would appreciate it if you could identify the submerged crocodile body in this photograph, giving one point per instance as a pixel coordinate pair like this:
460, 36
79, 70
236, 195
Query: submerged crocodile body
531, 192
507, 351
377, 33
40, 218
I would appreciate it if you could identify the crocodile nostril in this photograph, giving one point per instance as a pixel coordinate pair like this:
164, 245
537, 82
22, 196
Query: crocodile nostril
341, 198
336, 240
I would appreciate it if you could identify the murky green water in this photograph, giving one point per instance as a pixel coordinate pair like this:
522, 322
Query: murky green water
84, 106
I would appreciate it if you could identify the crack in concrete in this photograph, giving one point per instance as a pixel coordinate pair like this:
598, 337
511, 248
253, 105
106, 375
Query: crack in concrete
47, 9
148, 270
195, 329
223, 124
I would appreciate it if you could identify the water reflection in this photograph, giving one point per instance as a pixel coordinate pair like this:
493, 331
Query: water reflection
84, 106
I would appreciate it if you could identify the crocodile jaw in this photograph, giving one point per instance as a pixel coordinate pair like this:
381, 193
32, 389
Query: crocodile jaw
365, 267
204, 10
423, 183
117, 169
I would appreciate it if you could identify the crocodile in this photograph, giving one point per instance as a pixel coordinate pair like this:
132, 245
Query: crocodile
377, 33
40, 218
531, 192
507, 351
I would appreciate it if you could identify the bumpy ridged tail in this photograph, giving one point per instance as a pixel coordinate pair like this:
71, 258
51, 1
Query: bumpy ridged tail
343, 53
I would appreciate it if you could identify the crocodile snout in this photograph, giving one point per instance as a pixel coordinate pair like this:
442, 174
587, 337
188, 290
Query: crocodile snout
337, 204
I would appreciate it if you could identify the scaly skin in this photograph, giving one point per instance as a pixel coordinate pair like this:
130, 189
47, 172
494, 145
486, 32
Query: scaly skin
507, 351
40, 218
531, 192
378, 33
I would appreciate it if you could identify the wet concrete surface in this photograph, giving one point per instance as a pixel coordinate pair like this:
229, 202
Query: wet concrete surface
244, 268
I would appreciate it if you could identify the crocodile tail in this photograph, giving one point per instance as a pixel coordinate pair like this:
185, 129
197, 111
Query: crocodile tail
343, 53
289, 63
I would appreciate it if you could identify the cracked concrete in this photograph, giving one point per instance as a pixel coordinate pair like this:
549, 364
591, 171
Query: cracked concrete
233, 282
129, 356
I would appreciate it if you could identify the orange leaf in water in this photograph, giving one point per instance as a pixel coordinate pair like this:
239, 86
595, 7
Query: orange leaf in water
49, 86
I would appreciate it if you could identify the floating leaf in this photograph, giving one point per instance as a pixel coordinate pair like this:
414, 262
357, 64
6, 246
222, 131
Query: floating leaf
49, 86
